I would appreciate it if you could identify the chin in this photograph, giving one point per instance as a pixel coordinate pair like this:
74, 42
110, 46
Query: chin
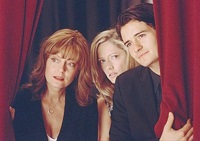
144, 64
113, 81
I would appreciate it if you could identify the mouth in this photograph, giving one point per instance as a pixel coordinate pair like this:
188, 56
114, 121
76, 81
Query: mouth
112, 75
59, 78
141, 55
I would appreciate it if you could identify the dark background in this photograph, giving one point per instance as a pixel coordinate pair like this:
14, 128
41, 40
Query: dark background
87, 16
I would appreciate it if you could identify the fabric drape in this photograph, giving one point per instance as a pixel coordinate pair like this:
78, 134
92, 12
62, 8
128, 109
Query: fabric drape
18, 23
177, 25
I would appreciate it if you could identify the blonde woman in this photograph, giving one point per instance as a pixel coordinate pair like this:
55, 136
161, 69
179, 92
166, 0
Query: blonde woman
109, 58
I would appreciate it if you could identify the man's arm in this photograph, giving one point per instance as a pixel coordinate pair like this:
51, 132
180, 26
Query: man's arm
120, 130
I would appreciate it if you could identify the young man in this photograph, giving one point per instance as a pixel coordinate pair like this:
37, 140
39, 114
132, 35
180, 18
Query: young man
137, 93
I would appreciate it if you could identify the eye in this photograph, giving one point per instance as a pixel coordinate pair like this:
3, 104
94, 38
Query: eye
114, 56
72, 64
101, 61
141, 36
128, 44
56, 60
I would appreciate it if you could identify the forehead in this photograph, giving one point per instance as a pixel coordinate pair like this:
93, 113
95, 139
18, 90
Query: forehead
66, 52
60, 56
108, 47
132, 28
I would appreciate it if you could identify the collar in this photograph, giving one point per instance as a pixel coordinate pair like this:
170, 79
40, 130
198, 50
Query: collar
156, 80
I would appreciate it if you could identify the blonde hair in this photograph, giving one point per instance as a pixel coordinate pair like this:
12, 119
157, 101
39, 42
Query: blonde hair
70, 43
102, 83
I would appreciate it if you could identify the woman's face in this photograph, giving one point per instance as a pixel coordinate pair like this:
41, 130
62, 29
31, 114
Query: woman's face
112, 60
60, 72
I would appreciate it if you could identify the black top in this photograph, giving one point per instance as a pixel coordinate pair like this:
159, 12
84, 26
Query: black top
157, 89
79, 123
134, 112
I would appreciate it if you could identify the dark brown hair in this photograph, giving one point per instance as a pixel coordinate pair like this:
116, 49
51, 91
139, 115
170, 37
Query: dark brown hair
141, 12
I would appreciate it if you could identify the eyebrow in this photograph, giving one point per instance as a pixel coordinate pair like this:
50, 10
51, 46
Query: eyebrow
139, 33
68, 59
113, 53
56, 55
135, 35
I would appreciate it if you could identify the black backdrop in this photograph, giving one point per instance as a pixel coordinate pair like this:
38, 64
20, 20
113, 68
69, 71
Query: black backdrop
88, 16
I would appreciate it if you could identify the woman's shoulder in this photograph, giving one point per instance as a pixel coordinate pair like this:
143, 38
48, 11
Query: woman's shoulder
90, 108
104, 105
103, 118
22, 96
93, 103
72, 101
101, 101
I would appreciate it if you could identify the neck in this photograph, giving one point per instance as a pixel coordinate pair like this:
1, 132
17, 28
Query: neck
52, 102
155, 68
54, 96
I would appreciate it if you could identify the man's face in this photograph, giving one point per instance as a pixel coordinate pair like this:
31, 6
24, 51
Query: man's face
141, 41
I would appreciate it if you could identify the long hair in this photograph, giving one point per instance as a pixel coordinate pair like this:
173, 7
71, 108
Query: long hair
140, 12
102, 83
70, 43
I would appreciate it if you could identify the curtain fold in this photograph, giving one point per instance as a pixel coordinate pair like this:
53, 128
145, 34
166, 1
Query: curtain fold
178, 40
18, 23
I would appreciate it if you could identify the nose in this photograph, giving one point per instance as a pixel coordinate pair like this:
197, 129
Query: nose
109, 65
136, 46
62, 67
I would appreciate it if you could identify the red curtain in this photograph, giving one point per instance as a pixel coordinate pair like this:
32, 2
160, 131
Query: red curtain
177, 25
18, 23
